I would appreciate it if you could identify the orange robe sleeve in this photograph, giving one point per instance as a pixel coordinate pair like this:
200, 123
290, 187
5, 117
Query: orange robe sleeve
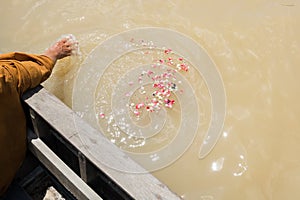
29, 70
18, 73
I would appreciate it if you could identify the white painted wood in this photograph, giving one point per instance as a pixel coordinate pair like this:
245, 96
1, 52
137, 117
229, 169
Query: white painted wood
98, 150
63, 173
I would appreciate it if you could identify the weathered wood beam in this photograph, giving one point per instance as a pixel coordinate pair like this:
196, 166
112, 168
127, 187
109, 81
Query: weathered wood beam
74, 129
63, 173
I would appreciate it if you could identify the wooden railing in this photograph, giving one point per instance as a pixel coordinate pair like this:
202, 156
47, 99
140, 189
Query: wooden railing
55, 136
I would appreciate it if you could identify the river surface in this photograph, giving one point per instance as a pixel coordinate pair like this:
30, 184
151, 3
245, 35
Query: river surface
255, 46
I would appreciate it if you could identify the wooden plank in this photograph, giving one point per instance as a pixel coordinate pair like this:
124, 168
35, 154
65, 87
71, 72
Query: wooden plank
63, 173
73, 128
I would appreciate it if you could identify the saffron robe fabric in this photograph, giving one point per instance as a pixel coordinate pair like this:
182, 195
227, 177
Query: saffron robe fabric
18, 73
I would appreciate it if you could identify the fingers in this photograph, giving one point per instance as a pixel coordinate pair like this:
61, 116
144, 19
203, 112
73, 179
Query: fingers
68, 44
64, 40
64, 47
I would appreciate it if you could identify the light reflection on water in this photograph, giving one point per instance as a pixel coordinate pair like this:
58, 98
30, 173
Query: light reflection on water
255, 45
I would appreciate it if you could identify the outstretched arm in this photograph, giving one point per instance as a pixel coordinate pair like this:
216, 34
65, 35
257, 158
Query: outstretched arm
29, 70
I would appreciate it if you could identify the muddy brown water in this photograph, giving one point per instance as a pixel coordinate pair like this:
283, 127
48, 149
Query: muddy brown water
255, 46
